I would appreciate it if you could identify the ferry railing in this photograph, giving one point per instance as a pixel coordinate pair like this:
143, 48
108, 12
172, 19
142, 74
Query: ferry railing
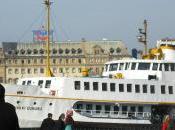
114, 114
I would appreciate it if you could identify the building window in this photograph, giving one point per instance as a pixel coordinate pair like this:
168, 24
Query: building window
79, 61
144, 88
79, 70
104, 86
129, 87
60, 70
95, 86
41, 61
73, 70
162, 89
29, 82
29, 71
16, 71
22, 62
152, 89
112, 87
86, 86
28, 61
77, 85
121, 87
48, 83
54, 70
22, 71
170, 89
67, 61
9, 71
35, 70
41, 70
137, 88
54, 61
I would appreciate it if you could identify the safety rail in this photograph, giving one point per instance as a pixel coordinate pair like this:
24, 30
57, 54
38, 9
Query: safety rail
114, 114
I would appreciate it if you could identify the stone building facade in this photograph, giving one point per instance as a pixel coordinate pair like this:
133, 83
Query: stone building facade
66, 58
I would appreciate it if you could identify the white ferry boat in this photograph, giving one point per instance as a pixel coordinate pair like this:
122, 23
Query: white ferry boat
131, 91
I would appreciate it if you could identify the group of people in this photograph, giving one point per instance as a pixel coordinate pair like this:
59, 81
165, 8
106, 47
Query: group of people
64, 122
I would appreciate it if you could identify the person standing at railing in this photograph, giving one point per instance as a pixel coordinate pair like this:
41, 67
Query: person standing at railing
59, 124
8, 116
69, 121
48, 123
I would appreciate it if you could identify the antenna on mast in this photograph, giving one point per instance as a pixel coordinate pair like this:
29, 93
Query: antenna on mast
48, 70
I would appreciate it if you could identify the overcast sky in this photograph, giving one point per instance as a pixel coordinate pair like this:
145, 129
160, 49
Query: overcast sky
89, 19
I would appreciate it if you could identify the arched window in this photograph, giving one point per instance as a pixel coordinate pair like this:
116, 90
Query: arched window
29, 51
60, 51
35, 51
118, 50
41, 51
111, 50
79, 51
22, 51
67, 51
54, 51
73, 51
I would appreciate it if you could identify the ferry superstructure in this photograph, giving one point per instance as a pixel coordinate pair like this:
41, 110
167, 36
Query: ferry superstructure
131, 91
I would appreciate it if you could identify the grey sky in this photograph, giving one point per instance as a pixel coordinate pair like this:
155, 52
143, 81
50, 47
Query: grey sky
91, 19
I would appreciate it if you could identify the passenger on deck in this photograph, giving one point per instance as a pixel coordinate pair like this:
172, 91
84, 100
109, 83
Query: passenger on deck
59, 124
48, 123
8, 116
69, 122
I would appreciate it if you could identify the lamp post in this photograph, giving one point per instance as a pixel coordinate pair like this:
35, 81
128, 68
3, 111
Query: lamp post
143, 36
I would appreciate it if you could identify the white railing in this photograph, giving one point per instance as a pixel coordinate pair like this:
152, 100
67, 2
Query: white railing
114, 114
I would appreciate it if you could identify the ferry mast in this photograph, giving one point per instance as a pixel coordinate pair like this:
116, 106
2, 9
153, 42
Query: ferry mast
48, 70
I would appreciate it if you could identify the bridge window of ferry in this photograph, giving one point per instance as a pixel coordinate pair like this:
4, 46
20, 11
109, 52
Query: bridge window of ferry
77, 85
48, 83
104, 86
112, 87
160, 67
121, 66
116, 109
152, 89
162, 89
140, 109
113, 67
167, 67
144, 88
172, 65
23, 82
137, 88
79, 107
29, 82
129, 87
98, 108
155, 66
124, 109
88, 108
133, 66
95, 86
170, 89
144, 66
121, 87
107, 108
106, 67
40, 83
86, 86
127, 66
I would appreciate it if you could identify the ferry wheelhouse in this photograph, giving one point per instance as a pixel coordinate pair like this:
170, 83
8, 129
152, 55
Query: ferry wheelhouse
130, 91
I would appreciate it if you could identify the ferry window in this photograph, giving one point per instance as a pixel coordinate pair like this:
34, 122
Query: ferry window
79, 107
104, 86
23, 82
116, 109
170, 89
144, 88
144, 66
95, 86
160, 67
129, 87
133, 66
137, 88
113, 67
132, 109
155, 66
124, 109
40, 83
88, 108
112, 87
121, 66
77, 85
126, 66
152, 88
172, 65
86, 86
98, 108
121, 87
162, 89
107, 108
140, 108
29, 82
166, 66
48, 83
